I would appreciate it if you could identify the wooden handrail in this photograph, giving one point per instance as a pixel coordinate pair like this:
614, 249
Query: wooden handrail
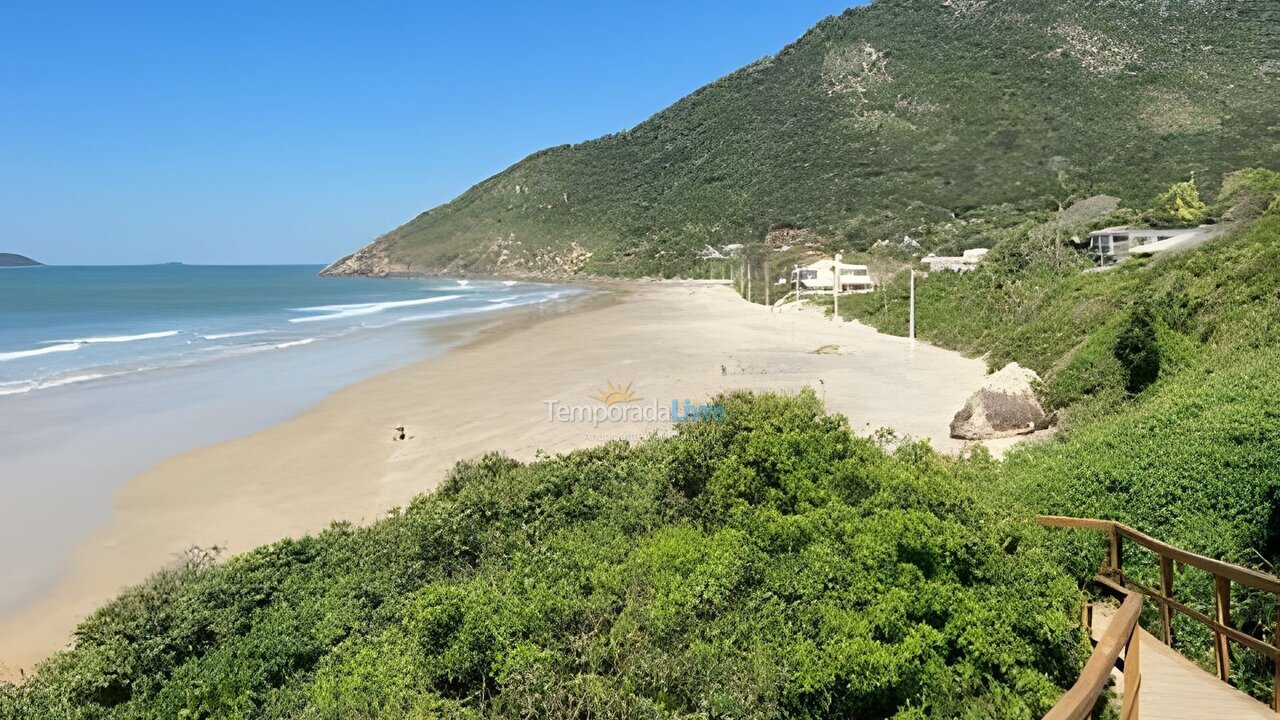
1111, 575
1235, 573
1121, 634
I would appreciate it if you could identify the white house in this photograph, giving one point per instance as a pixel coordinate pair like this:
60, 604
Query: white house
820, 276
1113, 244
959, 263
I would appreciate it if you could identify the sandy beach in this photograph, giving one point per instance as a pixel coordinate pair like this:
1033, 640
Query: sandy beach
338, 460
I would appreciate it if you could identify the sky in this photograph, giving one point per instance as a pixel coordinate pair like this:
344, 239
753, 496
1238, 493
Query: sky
251, 132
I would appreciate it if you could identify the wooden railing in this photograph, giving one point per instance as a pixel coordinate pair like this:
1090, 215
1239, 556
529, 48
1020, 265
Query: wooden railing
1121, 634
1111, 575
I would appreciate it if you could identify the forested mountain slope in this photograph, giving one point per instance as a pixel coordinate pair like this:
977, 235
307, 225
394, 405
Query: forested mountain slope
877, 123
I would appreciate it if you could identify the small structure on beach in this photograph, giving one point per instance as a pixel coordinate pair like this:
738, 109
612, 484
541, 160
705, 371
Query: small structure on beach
1109, 246
956, 263
820, 276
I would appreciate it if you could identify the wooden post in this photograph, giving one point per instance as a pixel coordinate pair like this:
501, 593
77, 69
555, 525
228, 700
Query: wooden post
1117, 554
911, 317
1132, 675
1275, 691
1221, 644
835, 288
1166, 590
748, 295
766, 284
796, 272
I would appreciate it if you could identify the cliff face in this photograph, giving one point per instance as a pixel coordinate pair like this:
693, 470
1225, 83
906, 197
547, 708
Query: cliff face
885, 121
370, 261
15, 260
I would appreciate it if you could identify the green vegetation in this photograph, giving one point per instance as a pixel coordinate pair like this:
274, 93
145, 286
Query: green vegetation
1179, 206
771, 565
1165, 374
1246, 194
888, 120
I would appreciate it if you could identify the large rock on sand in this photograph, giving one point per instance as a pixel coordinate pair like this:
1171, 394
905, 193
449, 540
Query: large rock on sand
1004, 406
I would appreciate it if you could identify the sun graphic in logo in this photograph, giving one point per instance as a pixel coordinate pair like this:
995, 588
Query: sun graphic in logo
612, 394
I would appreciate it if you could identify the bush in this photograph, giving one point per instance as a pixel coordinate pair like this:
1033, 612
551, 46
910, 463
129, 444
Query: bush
771, 565
1246, 194
1178, 206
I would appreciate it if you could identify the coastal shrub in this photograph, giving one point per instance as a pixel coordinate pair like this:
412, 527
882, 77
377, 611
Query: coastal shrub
1247, 193
1164, 375
1178, 206
1197, 464
770, 565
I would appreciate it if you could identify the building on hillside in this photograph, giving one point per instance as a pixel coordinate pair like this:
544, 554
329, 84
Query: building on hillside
957, 263
819, 276
1111, 245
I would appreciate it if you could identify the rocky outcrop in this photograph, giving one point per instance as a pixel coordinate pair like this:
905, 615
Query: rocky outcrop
789, 237
370, 261
504, 257
1004, 406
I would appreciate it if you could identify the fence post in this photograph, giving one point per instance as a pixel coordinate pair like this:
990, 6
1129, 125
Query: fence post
1117, 556
1221, 644
1166, 590
1275, 691
1132, 675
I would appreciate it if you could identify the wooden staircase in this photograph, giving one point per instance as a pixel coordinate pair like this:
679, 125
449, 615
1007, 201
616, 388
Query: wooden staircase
1155, 682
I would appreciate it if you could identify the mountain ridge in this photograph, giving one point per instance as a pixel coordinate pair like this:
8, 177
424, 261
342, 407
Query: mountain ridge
883, 121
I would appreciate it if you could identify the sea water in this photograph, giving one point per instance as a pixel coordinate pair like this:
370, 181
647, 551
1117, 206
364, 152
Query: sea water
104, 371
67, 325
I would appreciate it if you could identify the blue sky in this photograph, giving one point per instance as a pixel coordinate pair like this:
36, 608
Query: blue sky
253, 132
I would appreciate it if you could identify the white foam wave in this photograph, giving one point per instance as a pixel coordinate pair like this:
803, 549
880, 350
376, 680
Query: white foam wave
26, 386
119, 338
220, 336
468, 311
338, 312
294, 343
19, 354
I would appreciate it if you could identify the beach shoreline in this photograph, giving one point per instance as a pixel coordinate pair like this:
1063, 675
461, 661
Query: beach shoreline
493, 390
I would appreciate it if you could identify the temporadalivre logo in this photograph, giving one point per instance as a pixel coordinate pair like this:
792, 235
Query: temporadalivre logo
621, 403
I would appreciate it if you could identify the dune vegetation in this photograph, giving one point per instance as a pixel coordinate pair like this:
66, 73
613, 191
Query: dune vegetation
1164, 374
770, 565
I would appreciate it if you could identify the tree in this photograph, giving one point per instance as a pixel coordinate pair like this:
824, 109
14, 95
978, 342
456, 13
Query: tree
1179, 205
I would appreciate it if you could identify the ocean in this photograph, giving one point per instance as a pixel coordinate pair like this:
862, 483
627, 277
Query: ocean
105, 371
66, 325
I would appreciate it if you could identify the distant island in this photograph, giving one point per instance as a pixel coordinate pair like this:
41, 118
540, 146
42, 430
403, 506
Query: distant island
15, 260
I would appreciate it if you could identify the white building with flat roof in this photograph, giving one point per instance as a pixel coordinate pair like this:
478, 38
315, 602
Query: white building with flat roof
1111, 245
958, 263
820, 276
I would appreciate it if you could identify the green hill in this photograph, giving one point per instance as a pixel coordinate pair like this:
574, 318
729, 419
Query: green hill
878, 123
